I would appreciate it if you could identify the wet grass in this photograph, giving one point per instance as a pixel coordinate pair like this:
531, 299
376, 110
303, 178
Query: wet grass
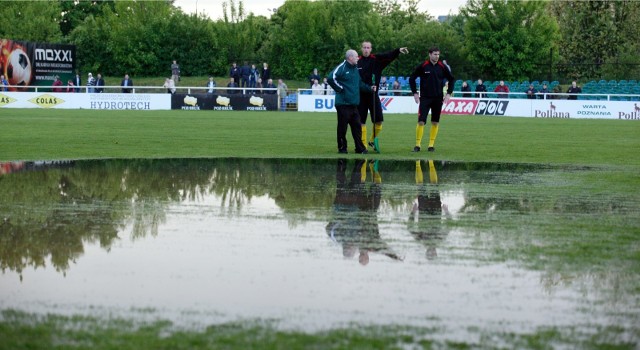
562, 247
20, 330
38, 134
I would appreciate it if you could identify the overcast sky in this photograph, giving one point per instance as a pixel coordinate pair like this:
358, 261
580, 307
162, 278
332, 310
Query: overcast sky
213, 8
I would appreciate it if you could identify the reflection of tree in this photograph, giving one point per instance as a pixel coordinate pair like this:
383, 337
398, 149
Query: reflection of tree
355, 221
425, 222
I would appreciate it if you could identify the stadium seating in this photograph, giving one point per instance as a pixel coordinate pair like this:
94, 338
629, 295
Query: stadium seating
617, 89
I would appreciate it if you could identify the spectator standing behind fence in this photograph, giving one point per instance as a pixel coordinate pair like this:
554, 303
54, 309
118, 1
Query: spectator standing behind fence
502, 90
481, 89
126, 84
77, 81
253, 76
175, 72
396, 88
384, 86
57, 85
574, 89
170, 85
70, 86
245, 71
234, 72
266, 72
531, 92
232, 84
316, 88
544, 91
466, 89
91, 81
258, 86
99, 84
211, 85
271, 86
282, 91
328, 90
314, 76
4, 84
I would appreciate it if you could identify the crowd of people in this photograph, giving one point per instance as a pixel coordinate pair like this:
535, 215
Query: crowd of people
93, 85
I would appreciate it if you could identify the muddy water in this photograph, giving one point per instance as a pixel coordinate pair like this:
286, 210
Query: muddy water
467, 249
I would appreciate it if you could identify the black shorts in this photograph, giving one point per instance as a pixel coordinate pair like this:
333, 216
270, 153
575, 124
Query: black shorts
430, 104
368, 103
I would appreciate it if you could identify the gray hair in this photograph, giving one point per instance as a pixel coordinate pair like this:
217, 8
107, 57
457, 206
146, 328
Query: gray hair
350, 53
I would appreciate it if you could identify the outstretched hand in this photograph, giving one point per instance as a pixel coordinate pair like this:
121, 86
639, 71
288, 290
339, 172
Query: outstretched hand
404, 50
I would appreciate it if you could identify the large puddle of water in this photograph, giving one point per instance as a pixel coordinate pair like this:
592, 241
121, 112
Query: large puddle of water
463, 248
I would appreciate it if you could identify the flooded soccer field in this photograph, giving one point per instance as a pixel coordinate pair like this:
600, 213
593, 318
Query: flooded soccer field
480, 254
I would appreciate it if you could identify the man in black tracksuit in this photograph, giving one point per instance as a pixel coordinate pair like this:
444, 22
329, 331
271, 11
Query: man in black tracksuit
432, 74
370, 66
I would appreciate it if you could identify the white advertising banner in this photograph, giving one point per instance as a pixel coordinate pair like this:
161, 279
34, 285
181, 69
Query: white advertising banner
574, 109
325, 103
144, 102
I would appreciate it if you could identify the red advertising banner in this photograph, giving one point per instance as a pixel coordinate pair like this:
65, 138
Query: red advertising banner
25, 64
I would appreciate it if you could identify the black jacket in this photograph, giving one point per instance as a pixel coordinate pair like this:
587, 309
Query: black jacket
432, 78
375, 64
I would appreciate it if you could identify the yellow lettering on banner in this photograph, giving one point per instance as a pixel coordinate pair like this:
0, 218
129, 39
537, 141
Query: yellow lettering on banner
46, 101
5, 100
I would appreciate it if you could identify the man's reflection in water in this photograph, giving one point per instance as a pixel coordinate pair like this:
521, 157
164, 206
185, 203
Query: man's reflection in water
426, 222
355, 220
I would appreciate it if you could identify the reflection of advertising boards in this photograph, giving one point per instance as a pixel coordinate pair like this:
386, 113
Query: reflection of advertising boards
142, 102
36, 64
230, 102
579, 109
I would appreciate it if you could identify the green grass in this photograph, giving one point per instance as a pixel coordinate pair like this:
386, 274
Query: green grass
26, 331
38, 134
50, 134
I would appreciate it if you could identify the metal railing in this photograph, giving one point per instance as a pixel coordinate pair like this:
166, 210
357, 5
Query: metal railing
137, 89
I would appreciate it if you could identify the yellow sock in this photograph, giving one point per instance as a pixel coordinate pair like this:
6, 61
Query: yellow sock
364, 135
433, 132
363, 172
433, 176
378, 129
419, 133
419, 178
375, 174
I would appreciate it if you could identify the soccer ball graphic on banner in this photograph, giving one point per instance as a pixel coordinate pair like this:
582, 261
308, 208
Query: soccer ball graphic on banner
18, 68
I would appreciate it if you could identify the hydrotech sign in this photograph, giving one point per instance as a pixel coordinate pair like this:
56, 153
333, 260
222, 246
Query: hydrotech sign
132, 102
576, 109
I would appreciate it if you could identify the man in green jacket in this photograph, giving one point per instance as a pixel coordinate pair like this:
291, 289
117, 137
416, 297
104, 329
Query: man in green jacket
345, 80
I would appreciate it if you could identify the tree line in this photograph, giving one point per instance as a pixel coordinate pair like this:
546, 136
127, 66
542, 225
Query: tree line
488, 39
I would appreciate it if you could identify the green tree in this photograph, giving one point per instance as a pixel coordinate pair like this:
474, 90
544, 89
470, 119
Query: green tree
74, 12
35, 21
597, 34
298, 41
508, 39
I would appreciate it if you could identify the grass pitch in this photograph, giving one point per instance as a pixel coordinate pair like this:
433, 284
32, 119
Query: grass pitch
51, 134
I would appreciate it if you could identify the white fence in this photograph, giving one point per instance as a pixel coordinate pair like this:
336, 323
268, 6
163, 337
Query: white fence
514, 107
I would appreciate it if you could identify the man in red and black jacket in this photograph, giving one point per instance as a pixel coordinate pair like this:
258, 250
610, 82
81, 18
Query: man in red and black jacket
371, 66
432, 74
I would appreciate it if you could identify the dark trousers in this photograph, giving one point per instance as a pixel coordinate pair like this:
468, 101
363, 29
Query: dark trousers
368, 104
348, 116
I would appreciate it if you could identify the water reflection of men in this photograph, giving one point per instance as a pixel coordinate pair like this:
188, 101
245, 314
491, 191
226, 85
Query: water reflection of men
355, 221
425, 221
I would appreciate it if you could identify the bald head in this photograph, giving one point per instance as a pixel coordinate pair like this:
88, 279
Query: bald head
351, 56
